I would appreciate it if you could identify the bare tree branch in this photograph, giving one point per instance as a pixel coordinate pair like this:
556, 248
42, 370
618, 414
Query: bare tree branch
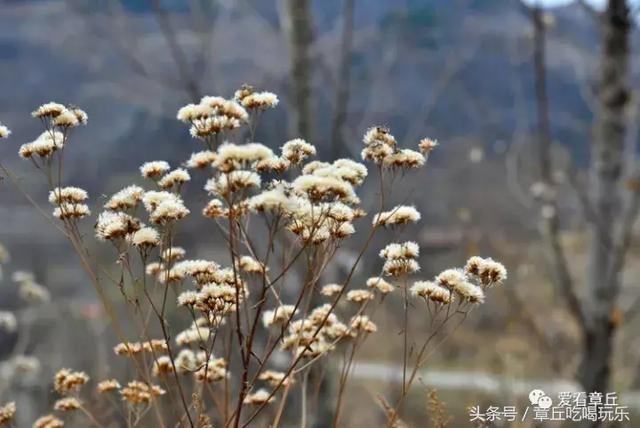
557, 257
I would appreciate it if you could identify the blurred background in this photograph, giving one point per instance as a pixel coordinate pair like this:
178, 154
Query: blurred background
480, 76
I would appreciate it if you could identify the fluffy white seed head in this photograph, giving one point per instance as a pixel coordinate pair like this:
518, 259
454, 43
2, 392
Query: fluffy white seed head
4, 131
67, 194
297, 150
146, 237
125, 199
260, 100
154, 169
400, 215
50, 109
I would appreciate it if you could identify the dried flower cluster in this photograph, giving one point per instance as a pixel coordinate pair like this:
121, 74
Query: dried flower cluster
278, 212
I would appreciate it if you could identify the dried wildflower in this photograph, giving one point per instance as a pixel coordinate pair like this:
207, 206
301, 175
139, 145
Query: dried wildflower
43, 146
66, 381
314, 166
115, 225
338, 211
400, 267
216, 104
33, 292
50, 109
431, 290
319, 188
134, 348
162, 366
297, 150
221, 298
472, 267
251, 265
125, 199
243, 92
48, 421
167, 209
193, 112
343, 230
4, 131
380, 284
154, 268
405, 158
127, 348
277, 199
237, 156
362, 323
7, 412
379, 144
80, 115
107, 385
71, 211
359, 296
350, 170
279, 315
137, 392
201, 160
203, 271
234, 181
192, 335
175, 178
211, 370
172, 254
233, 110
188, 298
66, 119
275, 378
470, 292
259, 100
427, 145
488, 271
204, 128
399, 215
272, 164
173, 276
321, 315
70, 195
451, 278
155, 345
154, 169
258, 398
8, 322
67, 404
214, 209
331, 289
146, 237
185, 361
378, 135
396, 251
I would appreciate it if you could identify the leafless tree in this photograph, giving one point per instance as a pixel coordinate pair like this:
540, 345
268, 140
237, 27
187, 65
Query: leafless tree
343, 77
300, 35
609, 211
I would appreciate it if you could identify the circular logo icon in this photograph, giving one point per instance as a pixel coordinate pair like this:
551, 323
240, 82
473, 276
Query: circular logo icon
545, 402
536, 395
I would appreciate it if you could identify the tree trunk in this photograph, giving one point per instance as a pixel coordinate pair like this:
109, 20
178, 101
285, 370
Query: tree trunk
300, 37
606, 173
343, 77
